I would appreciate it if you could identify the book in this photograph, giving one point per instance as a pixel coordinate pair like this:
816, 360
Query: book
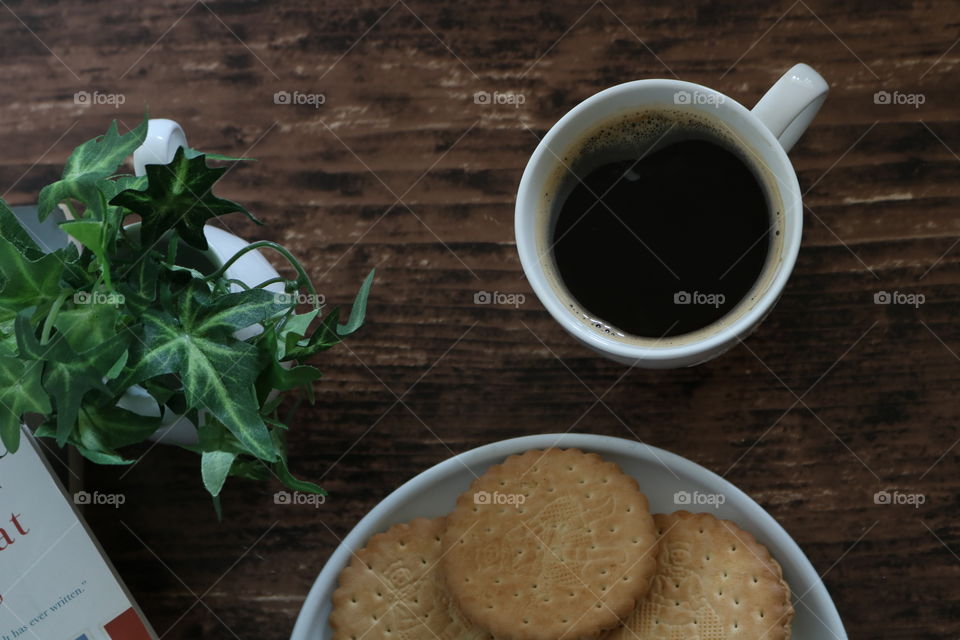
55, 581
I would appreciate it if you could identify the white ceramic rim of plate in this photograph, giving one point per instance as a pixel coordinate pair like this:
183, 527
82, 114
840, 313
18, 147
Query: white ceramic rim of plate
814, 596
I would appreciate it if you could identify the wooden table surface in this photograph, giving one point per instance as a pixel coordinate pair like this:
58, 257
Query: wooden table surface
833, 399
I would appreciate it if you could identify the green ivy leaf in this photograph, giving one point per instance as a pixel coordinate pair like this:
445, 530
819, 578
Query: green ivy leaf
27, 283
178, 195
295, 328
283, 470
13, 231
20, 392
113, 216
163, 389
324, 337
68, 375
250, 469
218, 371
74, 271
90, 234
140, 288
219, 455
234, 311
358, 312
110, 188
276, 376
92, 161
102, 430
215, 467
284, 379
86, 326
8, 338
87, 232
118, 366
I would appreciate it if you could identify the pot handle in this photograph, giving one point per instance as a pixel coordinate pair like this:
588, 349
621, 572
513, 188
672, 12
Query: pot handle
163, 139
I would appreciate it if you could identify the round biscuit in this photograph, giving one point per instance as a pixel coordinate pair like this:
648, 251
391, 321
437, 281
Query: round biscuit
714, 582
550, 545
392, 590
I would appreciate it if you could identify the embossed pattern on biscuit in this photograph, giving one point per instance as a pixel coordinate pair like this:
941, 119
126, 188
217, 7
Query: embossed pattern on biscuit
714, 582
392, 590
554, 544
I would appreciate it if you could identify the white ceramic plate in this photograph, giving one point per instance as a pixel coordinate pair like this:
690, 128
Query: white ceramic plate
661, 475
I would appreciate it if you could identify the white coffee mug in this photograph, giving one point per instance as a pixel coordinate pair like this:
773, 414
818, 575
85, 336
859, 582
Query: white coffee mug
766, 133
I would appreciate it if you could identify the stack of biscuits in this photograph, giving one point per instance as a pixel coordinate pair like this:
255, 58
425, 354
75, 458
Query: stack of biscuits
561, 545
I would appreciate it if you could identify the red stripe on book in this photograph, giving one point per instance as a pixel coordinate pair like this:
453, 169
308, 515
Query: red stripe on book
127, 626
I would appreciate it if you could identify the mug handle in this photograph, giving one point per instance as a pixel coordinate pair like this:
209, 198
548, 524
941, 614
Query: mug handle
789, 106
163, 139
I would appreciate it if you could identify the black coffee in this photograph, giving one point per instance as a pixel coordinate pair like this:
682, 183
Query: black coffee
666, 244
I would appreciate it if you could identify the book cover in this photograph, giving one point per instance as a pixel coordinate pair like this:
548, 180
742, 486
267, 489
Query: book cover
55, 581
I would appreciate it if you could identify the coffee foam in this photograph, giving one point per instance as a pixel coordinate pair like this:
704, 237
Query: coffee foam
631, 135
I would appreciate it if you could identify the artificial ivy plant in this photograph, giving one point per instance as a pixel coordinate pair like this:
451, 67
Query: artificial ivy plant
119, 308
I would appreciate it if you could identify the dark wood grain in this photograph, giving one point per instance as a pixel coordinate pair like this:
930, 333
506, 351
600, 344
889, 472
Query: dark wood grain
878, 383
